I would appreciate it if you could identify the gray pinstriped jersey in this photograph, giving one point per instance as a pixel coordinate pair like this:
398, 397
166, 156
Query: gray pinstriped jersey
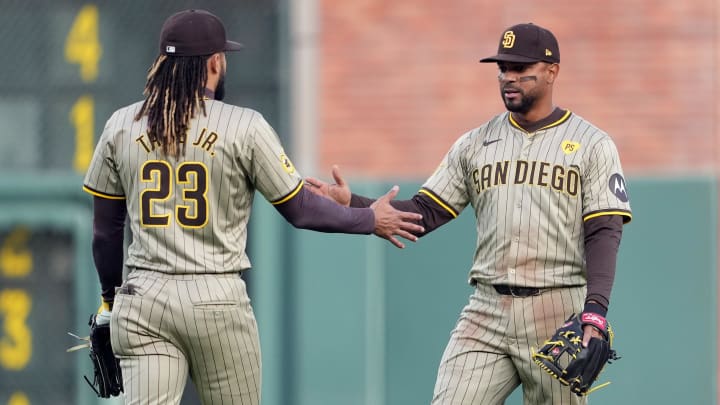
531, 194
191, 215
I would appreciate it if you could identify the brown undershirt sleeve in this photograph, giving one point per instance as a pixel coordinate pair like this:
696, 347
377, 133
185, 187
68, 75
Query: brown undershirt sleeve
602, 240
107, 244
309, 211
360, 201
433, 215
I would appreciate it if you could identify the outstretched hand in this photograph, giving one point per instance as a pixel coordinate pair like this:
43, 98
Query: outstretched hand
390, 222
338, 192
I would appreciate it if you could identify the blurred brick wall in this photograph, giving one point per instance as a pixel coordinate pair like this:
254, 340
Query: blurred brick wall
400, 79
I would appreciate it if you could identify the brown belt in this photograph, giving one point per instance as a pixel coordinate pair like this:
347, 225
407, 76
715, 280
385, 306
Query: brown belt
515, 291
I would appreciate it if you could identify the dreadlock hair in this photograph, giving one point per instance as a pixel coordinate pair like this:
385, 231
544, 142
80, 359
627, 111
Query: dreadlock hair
174, 92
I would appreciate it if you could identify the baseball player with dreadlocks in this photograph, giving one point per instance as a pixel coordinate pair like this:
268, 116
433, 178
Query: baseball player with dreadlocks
550, 202
184, 166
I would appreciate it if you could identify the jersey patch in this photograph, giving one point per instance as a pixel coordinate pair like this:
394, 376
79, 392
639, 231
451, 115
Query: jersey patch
287, 164
617, 186
569, 147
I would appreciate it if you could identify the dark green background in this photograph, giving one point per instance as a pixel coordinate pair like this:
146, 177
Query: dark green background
362, 308
38, 87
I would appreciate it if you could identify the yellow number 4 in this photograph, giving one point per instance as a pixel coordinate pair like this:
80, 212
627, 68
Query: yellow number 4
82, 45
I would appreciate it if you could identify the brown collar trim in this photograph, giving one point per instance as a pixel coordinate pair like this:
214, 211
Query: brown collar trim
557, 117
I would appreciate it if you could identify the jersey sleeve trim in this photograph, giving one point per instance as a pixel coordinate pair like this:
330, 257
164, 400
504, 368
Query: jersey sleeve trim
439, 201
289, 196
627, 216
103, 195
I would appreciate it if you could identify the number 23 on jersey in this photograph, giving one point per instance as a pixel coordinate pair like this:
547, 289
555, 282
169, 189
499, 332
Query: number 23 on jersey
190, 179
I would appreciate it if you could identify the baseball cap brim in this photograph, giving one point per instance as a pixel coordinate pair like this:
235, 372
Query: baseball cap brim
233, 46
509, 58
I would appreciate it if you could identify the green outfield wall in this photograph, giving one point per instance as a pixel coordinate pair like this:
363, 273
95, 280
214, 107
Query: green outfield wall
352, 320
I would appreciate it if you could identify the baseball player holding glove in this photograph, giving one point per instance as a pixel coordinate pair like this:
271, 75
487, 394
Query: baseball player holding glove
183, 167
550, 202
107, 376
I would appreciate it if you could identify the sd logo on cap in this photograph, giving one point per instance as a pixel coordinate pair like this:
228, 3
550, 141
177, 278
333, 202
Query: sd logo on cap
526, 43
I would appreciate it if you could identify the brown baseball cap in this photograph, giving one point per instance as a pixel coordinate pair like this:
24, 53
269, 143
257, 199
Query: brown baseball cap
526, 43
194, 33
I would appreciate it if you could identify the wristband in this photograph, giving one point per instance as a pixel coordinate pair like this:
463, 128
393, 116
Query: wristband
597, 321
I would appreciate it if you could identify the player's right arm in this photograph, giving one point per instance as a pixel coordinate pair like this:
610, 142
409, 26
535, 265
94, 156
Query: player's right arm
433, 214
436, 209
273, 174
310, 211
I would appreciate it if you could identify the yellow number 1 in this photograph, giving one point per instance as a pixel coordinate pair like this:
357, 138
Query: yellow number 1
82, 45
82, 117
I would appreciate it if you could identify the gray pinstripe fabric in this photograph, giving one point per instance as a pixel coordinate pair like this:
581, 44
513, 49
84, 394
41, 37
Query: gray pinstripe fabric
246, 156
184, 309
166, 326
529, 229
488, 354
531, 194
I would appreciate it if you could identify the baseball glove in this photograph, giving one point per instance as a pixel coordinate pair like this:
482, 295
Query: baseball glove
565, 358
107, 380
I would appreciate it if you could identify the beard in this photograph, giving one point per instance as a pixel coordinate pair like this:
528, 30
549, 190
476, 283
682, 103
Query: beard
220, 89
522, 106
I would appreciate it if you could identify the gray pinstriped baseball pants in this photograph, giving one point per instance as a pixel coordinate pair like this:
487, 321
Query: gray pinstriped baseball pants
165, 327
489, 352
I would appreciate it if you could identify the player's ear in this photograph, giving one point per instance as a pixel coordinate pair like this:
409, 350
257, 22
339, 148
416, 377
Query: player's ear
214, 63
553, 70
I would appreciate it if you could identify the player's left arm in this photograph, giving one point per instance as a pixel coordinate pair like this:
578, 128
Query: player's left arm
107, 244
606, 207
602, 241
